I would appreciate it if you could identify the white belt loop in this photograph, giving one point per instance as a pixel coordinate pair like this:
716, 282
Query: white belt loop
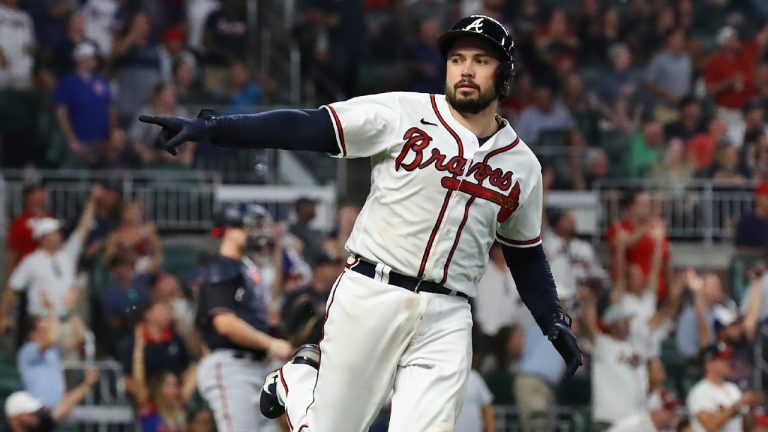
382, 273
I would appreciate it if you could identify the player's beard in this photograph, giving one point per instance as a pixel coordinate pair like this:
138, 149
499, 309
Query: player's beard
472, 104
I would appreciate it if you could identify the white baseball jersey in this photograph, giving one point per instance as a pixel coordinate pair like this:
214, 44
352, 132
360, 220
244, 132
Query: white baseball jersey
706, 396
438, 198
619, 379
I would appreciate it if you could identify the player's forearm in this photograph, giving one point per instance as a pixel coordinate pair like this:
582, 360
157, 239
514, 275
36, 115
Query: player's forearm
489, 418
754, 308
241, 333
9, 299
533, 277
86, 219
70, 400
287, 129
702, 320
62, 118
715, 421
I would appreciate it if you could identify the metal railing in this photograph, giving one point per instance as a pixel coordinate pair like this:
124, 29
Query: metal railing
565, 419
106, 408
695, 210
172, 200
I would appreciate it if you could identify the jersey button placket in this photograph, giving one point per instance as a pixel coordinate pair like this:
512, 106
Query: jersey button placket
454, 214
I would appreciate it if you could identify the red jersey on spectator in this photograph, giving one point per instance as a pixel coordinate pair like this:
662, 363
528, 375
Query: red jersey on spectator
722, 66
701, 148
641, 254
20, 238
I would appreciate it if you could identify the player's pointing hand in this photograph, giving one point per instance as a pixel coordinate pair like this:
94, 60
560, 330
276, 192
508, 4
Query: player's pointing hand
178, 130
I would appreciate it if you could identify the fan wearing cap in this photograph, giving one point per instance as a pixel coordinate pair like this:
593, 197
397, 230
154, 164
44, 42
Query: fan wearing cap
84, 109
661, 409
729, 74
25, 413
714, 403
232, 319
752, 230
619, 371
739, 329
449, 177
50, 269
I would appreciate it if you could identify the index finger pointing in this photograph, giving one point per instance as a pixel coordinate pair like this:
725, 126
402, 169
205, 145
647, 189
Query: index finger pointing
160, 121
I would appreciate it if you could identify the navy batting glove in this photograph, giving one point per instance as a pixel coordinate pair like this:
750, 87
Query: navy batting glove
560, 335
178, 130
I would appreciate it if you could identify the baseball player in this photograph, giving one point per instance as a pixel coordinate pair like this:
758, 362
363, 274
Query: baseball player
448, 177
231, 317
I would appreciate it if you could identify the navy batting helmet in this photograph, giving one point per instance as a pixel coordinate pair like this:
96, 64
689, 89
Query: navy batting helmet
242, 215
495, 33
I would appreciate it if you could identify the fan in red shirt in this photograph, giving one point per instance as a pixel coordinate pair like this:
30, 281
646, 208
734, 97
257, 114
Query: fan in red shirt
19, 239
729, 74
639, 243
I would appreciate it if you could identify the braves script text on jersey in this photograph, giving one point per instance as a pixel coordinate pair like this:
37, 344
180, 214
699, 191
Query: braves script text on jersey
438, 198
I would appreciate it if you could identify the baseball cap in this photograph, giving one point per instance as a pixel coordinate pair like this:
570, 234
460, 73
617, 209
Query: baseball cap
42, 226
615, 313
83, 50
719, 351
725, 34
173, 35
21, 402
724, 316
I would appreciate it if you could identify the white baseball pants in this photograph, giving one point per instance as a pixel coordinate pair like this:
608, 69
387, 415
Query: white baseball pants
232, 387
378, 338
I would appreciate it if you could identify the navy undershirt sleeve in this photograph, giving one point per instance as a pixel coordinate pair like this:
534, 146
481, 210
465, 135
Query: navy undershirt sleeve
287, 129
533, 277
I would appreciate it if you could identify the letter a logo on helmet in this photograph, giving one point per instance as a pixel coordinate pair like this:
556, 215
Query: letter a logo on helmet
476, 26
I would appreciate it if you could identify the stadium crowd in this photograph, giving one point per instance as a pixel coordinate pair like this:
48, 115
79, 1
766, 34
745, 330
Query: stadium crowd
672, 92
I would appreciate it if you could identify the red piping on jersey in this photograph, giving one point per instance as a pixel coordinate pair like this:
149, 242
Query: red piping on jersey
282, 380
338, 128
519, 242
223, 397
447, 198
285, 386
481, 192
322, 336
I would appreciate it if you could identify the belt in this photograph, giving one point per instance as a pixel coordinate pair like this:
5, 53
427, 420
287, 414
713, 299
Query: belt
244, 354
367, 268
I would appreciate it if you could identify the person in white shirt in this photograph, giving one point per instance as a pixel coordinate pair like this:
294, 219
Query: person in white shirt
637, 294
476, 414
50, 270
661, 409
497, 303
619, 371
715, 404
99, 20
572, 260
17, 44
